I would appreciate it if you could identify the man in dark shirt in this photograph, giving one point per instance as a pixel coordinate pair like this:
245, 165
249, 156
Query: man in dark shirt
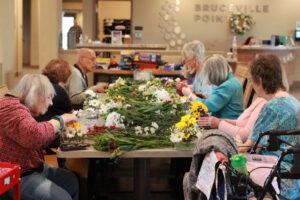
74, 34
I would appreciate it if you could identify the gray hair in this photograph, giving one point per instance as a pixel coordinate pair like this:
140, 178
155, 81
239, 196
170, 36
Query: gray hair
32, 86
194, 49
216, 70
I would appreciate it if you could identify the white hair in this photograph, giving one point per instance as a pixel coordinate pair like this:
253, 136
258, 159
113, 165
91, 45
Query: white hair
194, 49
216, 70
33, 86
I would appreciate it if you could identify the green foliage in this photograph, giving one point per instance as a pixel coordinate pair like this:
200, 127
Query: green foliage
117, 142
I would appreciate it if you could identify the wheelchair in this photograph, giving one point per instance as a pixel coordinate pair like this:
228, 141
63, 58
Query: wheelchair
240, 186
274, 144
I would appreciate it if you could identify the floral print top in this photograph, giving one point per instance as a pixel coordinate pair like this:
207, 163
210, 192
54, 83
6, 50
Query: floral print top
280, 113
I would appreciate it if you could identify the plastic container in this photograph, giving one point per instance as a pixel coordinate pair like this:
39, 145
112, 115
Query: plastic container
238, 162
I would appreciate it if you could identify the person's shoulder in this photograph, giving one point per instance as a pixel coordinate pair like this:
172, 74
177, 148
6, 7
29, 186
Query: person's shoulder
58, 89
231, 83
75, 71
11, 104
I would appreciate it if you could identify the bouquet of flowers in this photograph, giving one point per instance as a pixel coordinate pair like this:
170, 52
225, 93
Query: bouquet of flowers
142, 108
186, 130
73, 137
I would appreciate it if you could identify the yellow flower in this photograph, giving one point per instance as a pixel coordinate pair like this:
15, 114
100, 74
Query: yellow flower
198, 106
181, 125
186, 136
77, 125
120, 97
192, 121
196, 114
185, 118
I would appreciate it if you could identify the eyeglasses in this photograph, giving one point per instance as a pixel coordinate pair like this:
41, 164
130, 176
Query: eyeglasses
93, 59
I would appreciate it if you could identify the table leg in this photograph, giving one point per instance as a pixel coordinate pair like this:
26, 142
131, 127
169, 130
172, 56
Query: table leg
141, 178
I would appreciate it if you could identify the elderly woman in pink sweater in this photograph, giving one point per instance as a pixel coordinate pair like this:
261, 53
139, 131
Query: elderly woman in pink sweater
241, 127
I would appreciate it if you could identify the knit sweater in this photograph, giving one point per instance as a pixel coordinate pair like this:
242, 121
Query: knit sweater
21, 136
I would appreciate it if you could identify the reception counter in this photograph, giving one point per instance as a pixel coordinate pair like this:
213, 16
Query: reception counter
287, 55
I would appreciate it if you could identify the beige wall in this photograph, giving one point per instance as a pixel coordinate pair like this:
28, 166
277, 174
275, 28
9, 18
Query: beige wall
48, 36
34, 30
72, 6
112, 10
280, 20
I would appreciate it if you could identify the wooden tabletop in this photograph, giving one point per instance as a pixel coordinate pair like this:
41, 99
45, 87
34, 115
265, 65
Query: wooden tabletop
90, 152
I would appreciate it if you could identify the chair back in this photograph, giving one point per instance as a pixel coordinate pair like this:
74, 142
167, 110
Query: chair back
3, 90
248, 95
241, 73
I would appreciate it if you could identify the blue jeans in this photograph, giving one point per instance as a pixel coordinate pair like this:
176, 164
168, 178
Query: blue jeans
51, 184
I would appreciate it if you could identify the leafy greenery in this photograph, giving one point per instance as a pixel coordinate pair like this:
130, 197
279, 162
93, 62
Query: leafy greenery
117, 141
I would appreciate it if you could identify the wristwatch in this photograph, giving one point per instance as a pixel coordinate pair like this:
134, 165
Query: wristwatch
61, 121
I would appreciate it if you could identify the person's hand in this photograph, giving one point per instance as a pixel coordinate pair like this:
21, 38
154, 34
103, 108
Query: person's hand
186, 91
69, 117
201, 95
214, 122
210, 121
179, 86
204, 121
98, 88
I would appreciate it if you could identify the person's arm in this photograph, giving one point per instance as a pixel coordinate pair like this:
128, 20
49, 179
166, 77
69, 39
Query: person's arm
245, 123
21, 127
76, 88
218, 99
234, 130
266, 121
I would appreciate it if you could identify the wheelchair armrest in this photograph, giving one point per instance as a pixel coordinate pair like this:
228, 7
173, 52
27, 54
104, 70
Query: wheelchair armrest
274, 133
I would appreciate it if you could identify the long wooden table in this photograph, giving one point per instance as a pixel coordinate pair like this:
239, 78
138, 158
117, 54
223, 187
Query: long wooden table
141, 163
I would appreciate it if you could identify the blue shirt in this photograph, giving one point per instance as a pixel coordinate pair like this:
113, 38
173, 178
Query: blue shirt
226, 100
280, 113
199, 86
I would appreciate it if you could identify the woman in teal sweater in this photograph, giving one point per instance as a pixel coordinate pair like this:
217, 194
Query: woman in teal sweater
226, 100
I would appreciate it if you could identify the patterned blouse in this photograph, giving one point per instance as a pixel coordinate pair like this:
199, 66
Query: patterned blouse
280, 113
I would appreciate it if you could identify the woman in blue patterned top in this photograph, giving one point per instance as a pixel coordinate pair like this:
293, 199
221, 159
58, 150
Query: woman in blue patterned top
279, 113
226, 100
193, 55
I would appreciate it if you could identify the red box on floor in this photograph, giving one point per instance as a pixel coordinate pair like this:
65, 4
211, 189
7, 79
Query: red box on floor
10, 178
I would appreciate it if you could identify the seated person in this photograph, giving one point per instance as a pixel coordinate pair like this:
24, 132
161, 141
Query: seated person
226, 100
77, 83
279, 113
241, 127
193, 55
58, 71
23, 139
249, 41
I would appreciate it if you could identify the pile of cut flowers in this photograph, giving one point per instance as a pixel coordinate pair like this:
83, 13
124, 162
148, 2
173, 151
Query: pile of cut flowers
142, 116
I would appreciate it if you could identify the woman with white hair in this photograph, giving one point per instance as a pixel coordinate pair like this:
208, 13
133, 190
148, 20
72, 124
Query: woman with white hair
23, 139
193, 55
226, 100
